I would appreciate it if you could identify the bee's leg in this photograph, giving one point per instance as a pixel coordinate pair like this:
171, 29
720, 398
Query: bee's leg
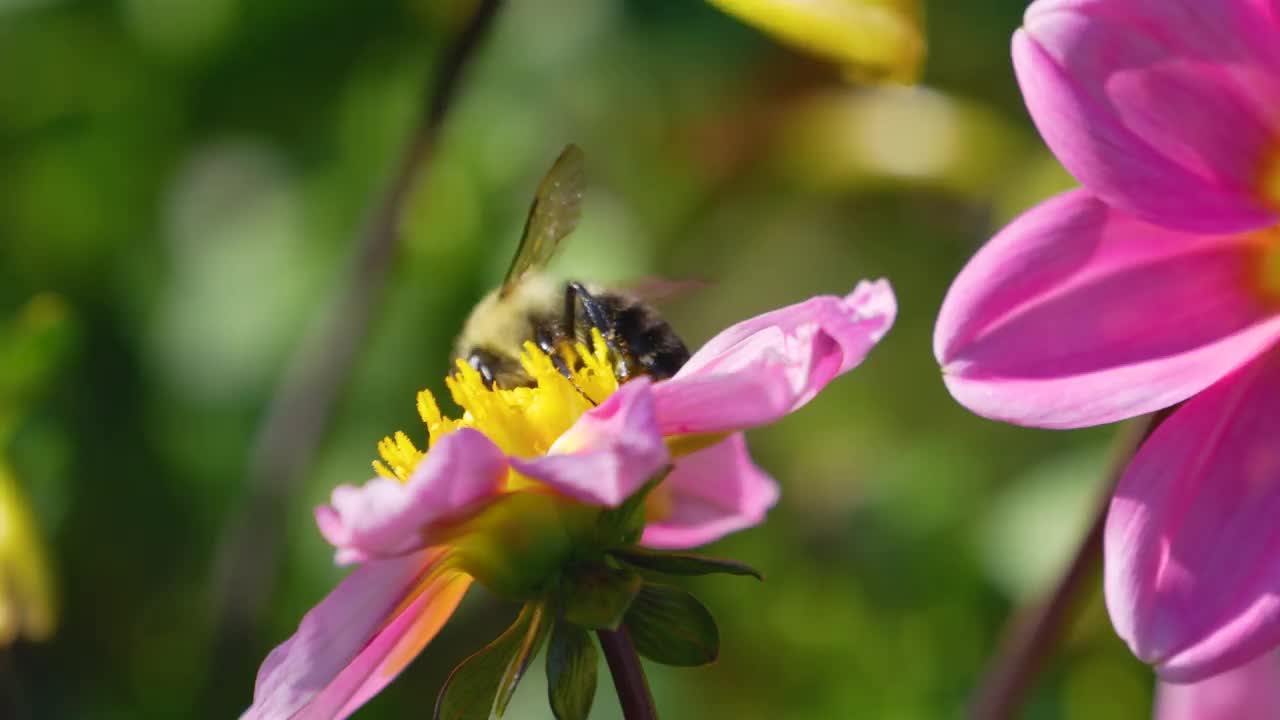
569, 318
598, 319
547, 344
575, 293
477, 361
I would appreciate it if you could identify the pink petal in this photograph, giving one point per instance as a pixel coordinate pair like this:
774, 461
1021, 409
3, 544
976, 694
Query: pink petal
1240, 32
1164, 108
1249, 692
385, 517
1077, 315
391, 651
764, 368
1105, 80
712, 403
710, 494
352, 643
1192, 539
609, 453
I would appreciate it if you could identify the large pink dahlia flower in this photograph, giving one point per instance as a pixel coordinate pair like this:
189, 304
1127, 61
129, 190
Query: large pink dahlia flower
1156, 284
1248, 692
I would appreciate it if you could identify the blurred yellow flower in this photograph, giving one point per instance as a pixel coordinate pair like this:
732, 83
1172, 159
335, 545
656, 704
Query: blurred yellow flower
847, 139
874, 40
26, 585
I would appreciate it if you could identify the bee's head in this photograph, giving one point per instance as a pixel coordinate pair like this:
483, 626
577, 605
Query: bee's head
497, 367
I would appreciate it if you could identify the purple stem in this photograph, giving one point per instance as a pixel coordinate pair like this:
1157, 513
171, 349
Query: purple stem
1034, 633
628, 675
303, 403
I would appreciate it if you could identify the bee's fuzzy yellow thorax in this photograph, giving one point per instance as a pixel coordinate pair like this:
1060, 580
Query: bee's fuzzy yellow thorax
523, 421
499, 322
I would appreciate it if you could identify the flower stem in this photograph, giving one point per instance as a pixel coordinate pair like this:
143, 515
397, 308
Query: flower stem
13, 702
628, 675
1035, 631
303, 403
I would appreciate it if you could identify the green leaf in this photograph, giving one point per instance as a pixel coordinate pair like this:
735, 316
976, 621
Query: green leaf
598, 596
683, 563
34, 346
484, 683
571, 672
670, 626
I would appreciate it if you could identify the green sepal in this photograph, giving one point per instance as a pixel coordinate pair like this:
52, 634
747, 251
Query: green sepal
623, 525
515, 543
598, 596
484, 683
571, 672
681, 445
671, 627
539, 628
683, 563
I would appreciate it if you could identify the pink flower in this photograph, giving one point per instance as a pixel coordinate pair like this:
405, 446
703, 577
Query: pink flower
1249, 692
505, 493
1158, 283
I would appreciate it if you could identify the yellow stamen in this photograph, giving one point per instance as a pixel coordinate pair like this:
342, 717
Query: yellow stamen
523, 421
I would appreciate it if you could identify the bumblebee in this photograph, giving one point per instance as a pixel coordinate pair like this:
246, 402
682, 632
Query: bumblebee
529, 306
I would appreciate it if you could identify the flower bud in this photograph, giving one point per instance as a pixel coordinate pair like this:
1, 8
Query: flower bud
26, 596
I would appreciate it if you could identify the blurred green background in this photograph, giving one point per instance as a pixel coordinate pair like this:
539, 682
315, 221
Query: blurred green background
188, 177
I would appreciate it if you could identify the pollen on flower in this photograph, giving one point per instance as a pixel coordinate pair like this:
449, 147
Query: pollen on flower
522, 421
399, 456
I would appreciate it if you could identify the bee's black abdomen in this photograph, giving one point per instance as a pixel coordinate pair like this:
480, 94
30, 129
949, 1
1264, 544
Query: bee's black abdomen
650, 341
645, 338
639, 339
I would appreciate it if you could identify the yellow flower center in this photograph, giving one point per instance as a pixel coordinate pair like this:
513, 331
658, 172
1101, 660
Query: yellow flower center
1270, 180
1269, 264
523, 421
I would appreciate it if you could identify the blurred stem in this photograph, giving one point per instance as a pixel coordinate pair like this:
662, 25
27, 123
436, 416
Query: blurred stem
1036, 630
303, 403
13, 703
628, 675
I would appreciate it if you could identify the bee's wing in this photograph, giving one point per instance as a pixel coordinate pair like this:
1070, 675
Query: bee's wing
658, 290
555, 212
